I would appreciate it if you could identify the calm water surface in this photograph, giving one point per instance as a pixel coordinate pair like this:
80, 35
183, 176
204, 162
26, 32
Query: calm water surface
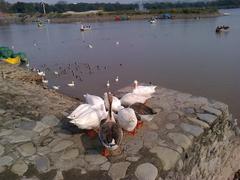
185, 55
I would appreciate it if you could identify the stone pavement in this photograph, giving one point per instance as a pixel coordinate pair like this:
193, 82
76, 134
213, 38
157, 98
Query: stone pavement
189, 138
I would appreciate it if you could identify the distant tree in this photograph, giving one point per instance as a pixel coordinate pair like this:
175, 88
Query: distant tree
4, 6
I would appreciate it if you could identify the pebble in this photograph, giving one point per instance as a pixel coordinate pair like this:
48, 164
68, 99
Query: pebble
6, 161
19, 168
42, 163
50, 120
118, 170
209, 118
194, 130
1, 150
62, 145
40, 127
167, 156
27, 149
180, 139
146, 171
169, 126
70, 154
95, 159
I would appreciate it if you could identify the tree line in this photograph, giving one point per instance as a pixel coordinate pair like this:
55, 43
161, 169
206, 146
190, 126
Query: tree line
62, 6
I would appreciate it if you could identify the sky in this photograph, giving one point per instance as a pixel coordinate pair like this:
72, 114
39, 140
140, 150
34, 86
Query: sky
93, 1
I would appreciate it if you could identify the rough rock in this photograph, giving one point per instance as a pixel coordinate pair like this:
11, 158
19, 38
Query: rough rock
167, 156
19, 168
198, 122
62, 145
2, 148
2, 111
45, 132
194, 130
180, 139
133, 158
50, 120
27, 125
5, 132
27, 149
118, 170
146, 171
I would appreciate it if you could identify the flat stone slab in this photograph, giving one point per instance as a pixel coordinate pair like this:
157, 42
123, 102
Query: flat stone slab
40, 127
212, 110
146, 171
5, 132
180, 139
50, 120
167, 156
6, 161
62, 145
42, 163
95, 159
18, 139
209, 118
19, 168
194, 130
70, 154
27, 149
118, 170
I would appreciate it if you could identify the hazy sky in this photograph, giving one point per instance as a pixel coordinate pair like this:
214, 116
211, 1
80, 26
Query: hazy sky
93, 1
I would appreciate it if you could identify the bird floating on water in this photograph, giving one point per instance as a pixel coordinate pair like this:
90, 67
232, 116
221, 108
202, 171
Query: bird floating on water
90, 46
71, 84
117, 79
56, 87
117, 43
55, 72
41, 73
108, 84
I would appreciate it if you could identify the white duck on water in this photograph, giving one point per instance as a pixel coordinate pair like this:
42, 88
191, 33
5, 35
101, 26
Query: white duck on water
110, 133
143, 90
72, 84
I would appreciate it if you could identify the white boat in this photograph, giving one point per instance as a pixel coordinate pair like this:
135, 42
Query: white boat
85, 28
226, 14
153, 21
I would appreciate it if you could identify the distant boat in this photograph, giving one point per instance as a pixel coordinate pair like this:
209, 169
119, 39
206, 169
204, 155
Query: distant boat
153, 21
85, 28
226, 14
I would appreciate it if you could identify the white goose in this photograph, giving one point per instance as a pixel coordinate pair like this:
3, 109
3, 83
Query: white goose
45, 81
94, 100
127, 119
90, 46
116, 103
132, 98
117, 79
87, 116
41, 73
71, 84
143, 90
55, 72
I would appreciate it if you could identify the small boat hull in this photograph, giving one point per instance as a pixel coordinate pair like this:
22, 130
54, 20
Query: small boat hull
16, 60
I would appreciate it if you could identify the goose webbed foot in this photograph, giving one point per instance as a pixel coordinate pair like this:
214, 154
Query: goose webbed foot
139, 124
105, 152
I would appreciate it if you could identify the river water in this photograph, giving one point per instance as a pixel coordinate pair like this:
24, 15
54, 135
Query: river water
185, 55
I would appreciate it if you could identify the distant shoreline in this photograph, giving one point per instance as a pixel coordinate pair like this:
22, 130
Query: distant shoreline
11, 19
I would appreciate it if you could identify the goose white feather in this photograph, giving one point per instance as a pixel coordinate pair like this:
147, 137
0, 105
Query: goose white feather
94, 100
41, 73
127, 119
116, 103
56, 87
132, 98
86, 116
143, 90
44, 80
